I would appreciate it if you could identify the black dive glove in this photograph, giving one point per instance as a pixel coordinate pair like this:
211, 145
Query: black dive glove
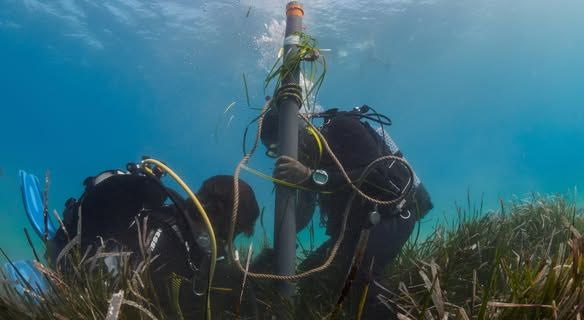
291, 170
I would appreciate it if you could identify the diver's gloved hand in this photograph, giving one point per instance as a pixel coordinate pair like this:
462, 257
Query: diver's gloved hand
291, 170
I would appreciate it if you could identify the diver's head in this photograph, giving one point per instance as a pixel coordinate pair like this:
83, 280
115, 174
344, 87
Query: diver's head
216, 193
269, 134
269, 137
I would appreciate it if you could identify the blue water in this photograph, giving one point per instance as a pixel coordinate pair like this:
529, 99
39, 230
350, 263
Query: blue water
485, 96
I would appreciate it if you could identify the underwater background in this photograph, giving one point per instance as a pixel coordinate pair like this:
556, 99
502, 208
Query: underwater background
486, 97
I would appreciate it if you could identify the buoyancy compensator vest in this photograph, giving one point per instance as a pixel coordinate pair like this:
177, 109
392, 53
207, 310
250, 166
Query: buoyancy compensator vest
115, 204
398, 178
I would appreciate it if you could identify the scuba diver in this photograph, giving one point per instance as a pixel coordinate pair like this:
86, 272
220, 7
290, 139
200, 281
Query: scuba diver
356, 144
120, 209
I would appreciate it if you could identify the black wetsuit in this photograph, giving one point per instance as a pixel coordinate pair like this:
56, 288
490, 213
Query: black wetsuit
356, 145
111, 212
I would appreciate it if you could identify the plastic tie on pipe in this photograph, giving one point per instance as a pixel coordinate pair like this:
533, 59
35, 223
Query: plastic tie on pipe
292, 40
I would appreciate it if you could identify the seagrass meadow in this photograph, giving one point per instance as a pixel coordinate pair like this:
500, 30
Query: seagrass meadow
484, 95
523, 261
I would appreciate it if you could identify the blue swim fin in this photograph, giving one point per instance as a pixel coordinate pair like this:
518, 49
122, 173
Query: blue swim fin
25, 269
33, 204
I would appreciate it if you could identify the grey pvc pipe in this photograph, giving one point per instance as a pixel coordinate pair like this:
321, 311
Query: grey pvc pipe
285, 215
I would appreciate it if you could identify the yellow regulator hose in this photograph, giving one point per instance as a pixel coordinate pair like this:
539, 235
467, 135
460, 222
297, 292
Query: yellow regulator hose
205, 218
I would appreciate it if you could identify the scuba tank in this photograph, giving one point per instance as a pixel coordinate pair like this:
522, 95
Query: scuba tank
109, 207
419, 200
398, 177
